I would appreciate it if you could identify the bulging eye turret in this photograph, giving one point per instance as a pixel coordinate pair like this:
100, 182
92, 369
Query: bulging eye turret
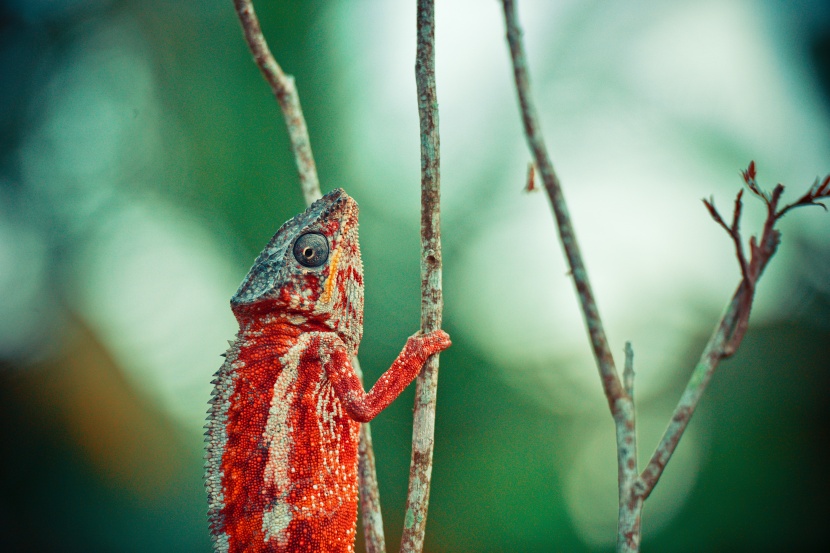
311, 249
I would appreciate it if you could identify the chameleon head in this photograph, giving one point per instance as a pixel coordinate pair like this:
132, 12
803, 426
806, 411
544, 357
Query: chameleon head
311, 271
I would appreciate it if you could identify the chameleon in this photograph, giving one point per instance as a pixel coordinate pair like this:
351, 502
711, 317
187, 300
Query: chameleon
286, 407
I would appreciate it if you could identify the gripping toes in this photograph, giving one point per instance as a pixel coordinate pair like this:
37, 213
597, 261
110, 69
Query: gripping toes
428, 344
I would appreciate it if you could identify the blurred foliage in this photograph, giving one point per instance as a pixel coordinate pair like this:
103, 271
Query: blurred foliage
95, 460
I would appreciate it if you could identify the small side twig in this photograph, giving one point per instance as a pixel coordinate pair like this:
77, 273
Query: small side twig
531, 178
423, 426
286, 93
731, 230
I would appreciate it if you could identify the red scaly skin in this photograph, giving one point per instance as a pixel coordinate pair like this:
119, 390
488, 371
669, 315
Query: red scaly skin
282, 431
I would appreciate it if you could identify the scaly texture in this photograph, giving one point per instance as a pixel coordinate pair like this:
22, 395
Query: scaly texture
282, 432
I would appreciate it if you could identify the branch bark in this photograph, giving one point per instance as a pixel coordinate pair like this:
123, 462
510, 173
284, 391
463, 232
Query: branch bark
423, 431
285, 91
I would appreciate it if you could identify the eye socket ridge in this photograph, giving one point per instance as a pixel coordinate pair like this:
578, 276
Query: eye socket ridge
311, 249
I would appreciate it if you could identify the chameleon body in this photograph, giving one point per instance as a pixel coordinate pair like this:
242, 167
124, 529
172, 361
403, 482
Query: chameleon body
282, 431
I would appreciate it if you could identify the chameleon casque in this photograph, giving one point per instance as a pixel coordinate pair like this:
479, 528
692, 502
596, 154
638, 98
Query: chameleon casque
282, 430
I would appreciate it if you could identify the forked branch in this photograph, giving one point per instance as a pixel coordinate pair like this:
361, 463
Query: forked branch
730, 330
635, 488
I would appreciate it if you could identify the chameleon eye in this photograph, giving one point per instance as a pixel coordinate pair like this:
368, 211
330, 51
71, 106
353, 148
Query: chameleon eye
311, 249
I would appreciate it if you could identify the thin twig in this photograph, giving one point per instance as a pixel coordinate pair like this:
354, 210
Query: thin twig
286, 93
599, 342
618, 394
369, 493
732, 326
423, 430
714, 351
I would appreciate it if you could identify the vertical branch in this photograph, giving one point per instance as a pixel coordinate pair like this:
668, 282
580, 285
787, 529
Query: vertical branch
286, 92
619, 394
533, 132
628, 479
423, 431
289, 100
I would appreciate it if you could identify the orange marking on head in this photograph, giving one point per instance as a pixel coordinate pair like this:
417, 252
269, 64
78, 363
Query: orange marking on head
330, 282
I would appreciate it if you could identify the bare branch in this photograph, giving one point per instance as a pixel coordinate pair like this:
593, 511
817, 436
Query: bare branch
423, 428
715, 350
286, 93
732, 326
599, 342
634, 488
732, 230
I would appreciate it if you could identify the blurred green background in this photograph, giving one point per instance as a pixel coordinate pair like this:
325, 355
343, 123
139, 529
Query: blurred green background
144, 164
